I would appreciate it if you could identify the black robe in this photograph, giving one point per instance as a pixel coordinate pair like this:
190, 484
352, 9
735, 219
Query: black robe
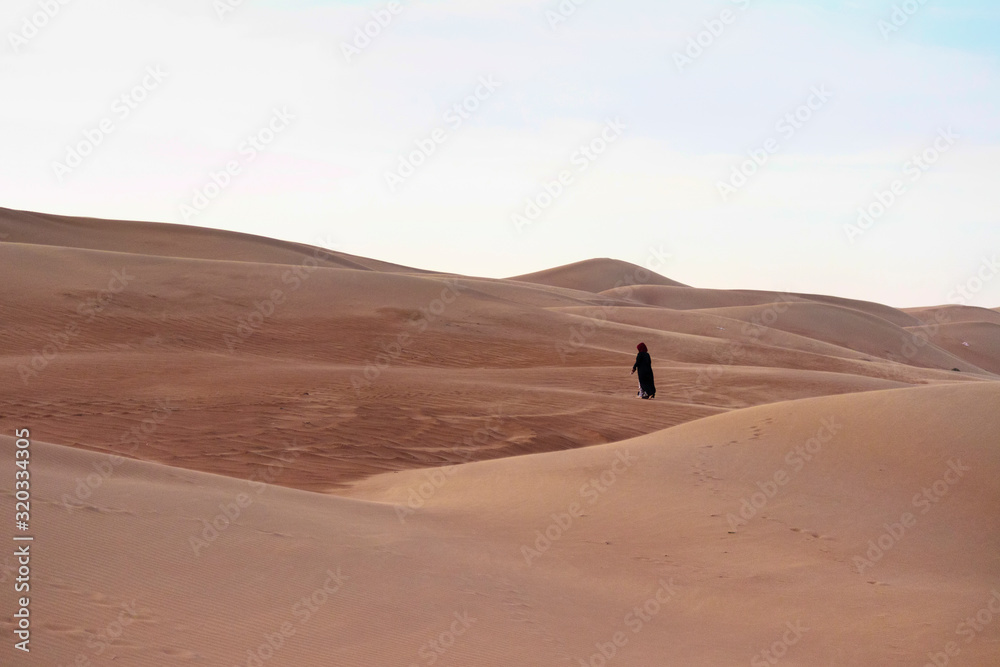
644, 365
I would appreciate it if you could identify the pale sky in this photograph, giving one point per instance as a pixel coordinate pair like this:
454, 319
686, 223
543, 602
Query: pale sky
201, 76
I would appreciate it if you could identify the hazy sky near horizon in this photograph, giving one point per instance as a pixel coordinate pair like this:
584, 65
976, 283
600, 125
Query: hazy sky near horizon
135, 109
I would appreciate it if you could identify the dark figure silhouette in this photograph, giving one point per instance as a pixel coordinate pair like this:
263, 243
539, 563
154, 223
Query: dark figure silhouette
644, 364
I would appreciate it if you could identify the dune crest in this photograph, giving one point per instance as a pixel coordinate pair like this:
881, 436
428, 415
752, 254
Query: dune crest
597, 275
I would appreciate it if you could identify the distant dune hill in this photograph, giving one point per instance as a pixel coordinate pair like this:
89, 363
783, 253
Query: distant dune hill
713, 324
900, 318
366, 464
975, 342
852, 329
692, 298
596, 275
169, 240
954, 313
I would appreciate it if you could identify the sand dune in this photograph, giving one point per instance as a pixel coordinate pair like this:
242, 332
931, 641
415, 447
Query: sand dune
170, 240
389, 579
393, 445
853, 330
951, 314
690, 298
329, 356
693, 298
597, 275
712, 324
976, 342
898, 317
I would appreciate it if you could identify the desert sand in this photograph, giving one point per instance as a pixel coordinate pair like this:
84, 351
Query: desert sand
249, 452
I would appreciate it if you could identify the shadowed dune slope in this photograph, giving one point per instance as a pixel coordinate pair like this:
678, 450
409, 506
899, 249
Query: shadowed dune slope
976, 342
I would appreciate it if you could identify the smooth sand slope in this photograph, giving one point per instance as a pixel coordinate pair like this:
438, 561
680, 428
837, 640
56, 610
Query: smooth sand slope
976, 342
167, 240
639, 523
330, 389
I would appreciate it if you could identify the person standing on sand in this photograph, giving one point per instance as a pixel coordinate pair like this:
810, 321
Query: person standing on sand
644, 364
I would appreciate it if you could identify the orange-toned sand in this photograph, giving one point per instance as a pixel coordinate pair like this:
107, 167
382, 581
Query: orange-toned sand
251, 452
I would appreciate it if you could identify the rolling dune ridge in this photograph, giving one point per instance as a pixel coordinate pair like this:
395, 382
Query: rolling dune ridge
252, 452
